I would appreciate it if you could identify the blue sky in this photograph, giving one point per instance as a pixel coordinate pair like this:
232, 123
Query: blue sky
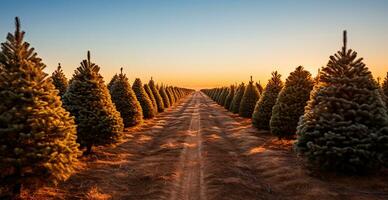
200, 43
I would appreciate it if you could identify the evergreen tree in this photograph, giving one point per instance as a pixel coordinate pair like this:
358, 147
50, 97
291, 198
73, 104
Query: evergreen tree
175, 94
163, 94
37, 135
235, 105
384, 88
249, 99
263, 108
223, 96
60, 80
345, 124
89, 101
229, 97
151, 96
142, 97
291, 102
112, 81
259, 87
170, 95
125, 101
158, 98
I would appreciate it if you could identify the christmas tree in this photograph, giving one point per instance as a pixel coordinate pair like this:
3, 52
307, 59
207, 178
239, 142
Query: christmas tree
223, 96
151, 96
345, 124
229, 97
248, 100
89, 101
291, 102
37, 135
384, 88
176, 97
60, 80
163, 94
263, 108
114, 78
125, 101
142, 97
235, 105
158, 98
259, 87
170, 95
218, 94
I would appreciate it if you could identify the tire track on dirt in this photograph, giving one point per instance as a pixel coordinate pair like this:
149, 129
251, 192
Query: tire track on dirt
156, 164
190, 171
229, 172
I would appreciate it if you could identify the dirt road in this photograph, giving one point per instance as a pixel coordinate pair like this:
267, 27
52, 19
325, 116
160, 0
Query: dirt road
198, 150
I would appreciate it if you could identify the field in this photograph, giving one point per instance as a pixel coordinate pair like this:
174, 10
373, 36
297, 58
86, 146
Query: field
198, 150
194, 100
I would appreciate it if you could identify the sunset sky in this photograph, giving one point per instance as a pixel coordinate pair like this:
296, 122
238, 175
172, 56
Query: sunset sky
200, 44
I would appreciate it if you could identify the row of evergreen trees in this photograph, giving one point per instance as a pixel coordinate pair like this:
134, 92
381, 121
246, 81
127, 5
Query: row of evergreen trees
339, 118
44, 120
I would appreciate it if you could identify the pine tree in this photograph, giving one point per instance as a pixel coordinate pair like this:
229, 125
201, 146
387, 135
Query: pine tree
223, 96
37, 135
259, 87
235, 105
125, 101
175, 94
163, 94
60, 80
158, 98
290, 103
229, 97
151, 96
248, 101
384, 88
263, 108
170, 95
89, 101
345, 124
142, 97
112, 81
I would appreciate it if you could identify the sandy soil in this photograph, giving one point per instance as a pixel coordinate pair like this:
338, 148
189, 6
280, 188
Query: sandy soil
198, 150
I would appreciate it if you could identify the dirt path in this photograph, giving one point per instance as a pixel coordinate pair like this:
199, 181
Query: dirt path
197, 150
190, 168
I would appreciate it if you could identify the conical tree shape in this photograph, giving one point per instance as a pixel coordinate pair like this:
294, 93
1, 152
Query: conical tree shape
158, 98
219, 95
142, 97
345, 124
170, 95
235, 105
224, 94
384, 88
88, 99
59, 80
37, 135
125, 101
249, 99
164, 96
112, 81
229, 97
259, 87
263, 108
151, 96
291, 102
175, 94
